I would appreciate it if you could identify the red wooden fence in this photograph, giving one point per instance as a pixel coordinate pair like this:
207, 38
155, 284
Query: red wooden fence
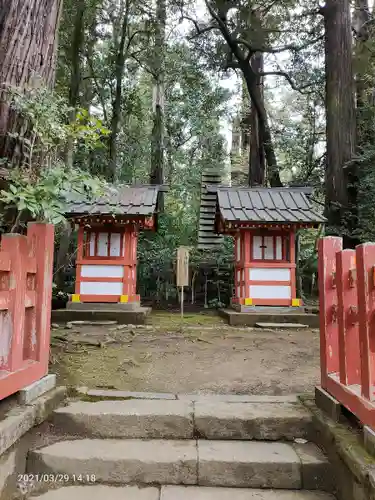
25, 307
347, 325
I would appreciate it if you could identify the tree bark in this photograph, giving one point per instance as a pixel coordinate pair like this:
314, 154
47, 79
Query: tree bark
264, 128
28, 46
74, 94
158, 130
256, 155
116, 104
340, 118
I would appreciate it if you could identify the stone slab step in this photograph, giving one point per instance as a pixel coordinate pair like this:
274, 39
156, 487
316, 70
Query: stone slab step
281, 326
99, 492
207, 493
244, 464
184, 419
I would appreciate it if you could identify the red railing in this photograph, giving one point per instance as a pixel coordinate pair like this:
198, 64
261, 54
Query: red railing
347, 325
25, 307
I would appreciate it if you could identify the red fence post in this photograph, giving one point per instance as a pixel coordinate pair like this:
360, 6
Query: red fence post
329, 356
16, 246
366, 310
41, 238
346, 282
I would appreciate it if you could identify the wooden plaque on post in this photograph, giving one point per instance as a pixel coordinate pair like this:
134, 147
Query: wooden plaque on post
182, 272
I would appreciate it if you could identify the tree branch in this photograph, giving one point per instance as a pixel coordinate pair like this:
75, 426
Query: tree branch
288, 79
98, 89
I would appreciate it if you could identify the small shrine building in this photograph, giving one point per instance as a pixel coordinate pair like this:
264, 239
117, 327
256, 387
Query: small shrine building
263, 223
108, 229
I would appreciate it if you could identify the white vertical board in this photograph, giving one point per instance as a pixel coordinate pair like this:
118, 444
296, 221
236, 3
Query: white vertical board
269, 250
92, 244
257, 250
114, 250
270, 292
279, 248
102, 244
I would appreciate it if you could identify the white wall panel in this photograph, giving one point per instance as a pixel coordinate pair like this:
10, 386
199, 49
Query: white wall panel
115, 245
100, 288
270, 292
269, 274
91, 271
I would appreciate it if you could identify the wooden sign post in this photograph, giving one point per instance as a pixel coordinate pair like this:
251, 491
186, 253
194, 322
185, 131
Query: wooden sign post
182, 272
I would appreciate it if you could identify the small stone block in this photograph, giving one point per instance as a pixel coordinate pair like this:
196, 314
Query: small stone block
317, 473
33, 391
246, 421
327, 403
281, 326
120, 461
248, 464
369, 440
135, 418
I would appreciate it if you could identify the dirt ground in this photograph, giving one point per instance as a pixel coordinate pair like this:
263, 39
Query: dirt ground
200, 354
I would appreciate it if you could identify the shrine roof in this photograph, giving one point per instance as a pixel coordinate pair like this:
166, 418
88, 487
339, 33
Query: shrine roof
266, 205
131, 200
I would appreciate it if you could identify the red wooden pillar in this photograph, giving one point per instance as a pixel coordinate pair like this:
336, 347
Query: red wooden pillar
329, 351
366, 310
79, 258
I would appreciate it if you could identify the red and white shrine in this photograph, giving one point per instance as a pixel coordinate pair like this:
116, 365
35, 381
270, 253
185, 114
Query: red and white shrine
264, 222
108, 228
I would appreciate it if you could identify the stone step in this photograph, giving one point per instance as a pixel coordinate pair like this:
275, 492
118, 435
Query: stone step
184, 419
247, 464
176, 493
281, 326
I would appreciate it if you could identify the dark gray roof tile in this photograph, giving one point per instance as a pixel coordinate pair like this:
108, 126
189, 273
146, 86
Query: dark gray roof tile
124, 200
266, 205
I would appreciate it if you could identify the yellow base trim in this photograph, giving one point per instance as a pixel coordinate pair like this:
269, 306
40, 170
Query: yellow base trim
248, 302
124, 299
296, 302
76, 297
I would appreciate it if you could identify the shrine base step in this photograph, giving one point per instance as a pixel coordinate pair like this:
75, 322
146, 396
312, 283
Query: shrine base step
235, 318
136, 316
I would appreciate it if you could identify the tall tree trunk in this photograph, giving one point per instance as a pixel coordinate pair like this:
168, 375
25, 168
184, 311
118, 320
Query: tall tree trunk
340, 119
74, 92
158, 130
256, 155
28, 46
364, 84
264, 128
116, 104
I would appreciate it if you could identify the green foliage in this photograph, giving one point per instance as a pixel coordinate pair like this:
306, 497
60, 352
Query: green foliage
39, 185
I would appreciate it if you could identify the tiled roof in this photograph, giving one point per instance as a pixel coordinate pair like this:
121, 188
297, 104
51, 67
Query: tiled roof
123, 200
207, 238
267, 205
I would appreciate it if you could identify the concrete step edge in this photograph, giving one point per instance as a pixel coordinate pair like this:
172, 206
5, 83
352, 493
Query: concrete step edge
189, 462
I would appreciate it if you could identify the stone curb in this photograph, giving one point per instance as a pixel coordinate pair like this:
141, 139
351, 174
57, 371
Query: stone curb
21, 419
